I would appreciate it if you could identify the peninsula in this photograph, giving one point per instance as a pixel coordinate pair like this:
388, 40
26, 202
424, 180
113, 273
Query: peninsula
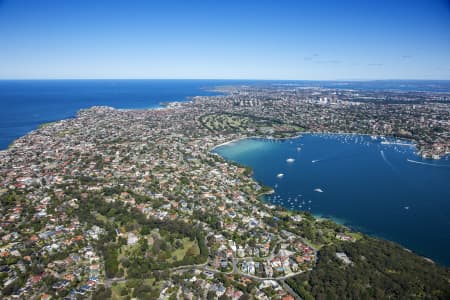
132, 203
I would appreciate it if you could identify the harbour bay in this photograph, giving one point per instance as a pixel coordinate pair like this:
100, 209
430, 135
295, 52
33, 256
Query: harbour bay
378, 188
26, 104
224, 150
375, 185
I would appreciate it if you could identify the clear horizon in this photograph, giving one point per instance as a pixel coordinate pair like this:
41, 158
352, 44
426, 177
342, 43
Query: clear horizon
230, 79
235, 40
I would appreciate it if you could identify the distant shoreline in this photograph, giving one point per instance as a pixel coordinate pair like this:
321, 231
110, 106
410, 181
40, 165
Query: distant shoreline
175, 105
299, 134
410, 141
30, 102
318, 217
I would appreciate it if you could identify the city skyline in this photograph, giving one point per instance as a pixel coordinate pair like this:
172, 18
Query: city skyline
352, 40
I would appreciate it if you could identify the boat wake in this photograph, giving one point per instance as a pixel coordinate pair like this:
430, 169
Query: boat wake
387, 161
426, 164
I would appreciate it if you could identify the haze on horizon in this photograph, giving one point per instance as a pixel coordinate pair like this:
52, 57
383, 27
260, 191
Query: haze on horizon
309, 40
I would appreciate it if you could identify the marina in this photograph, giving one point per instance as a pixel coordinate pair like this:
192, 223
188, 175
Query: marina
357, 180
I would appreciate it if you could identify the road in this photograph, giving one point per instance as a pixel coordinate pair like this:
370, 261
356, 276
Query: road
288, 289
235, 270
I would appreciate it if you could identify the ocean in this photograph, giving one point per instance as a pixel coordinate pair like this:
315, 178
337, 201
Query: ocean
25, 104
371, 185
367, 185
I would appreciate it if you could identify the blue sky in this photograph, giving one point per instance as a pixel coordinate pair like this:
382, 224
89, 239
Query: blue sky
383, 39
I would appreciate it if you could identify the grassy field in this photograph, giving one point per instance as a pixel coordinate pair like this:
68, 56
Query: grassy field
179, 253
116, 289
101, 218
231, 123
227, 123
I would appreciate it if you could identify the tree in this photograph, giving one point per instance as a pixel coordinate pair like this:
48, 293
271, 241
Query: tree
211, 295
145, 230
245, 297
101, 293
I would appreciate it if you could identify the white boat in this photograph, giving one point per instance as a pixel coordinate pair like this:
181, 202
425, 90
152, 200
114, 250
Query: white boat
318, 190
280, 175
397, 142
290, 160
314, 161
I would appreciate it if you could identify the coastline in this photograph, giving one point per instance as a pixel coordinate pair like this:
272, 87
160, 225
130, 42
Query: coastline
149, 98
319, 217
231, 142
409, 141
74, 115
175, 104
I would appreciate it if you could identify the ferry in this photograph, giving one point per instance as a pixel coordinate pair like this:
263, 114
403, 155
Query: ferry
397, 142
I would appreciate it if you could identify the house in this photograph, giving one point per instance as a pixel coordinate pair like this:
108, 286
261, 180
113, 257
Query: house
343, 257
132, 239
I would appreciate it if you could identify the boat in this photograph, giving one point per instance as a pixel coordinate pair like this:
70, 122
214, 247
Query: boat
280, 175
290, 160
314, 161
397, 142
318, 190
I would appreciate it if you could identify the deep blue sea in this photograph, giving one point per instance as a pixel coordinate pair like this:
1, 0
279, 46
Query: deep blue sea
379, 85
381, 189
367, 185
24, 104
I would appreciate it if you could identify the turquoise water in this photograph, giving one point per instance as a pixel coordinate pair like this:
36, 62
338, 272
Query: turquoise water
360, 188
25, 104
381, 189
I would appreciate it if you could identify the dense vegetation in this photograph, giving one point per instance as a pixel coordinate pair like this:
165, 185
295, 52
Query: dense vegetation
238, 123
147, 260
379, 270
